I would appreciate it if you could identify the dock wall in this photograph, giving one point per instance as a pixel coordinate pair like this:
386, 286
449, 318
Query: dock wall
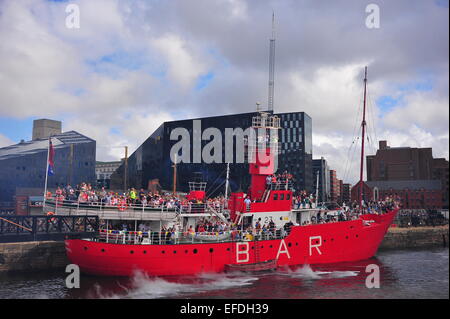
32, 256
415, 237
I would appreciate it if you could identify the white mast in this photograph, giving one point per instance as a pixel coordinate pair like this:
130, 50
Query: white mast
271, 66
317, 188
227, 181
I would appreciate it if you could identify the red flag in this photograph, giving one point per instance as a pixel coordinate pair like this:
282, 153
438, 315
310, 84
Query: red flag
51, 157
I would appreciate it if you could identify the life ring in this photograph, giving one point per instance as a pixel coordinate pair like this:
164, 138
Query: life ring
51, 214
122, 206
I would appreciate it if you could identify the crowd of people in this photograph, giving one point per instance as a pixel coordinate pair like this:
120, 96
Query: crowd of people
303, 199
86, 194
380, 206
279, 181
420, 217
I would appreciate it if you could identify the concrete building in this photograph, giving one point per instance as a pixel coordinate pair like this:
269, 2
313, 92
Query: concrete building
45, 128
103, 172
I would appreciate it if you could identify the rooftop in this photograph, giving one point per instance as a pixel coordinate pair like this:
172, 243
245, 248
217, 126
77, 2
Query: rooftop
36, 146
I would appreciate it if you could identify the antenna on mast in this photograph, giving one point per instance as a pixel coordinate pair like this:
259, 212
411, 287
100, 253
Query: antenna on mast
271, 66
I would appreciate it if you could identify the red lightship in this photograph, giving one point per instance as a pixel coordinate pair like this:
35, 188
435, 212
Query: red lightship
354, 236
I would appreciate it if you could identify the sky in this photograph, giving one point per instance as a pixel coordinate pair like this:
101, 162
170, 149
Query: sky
133, 64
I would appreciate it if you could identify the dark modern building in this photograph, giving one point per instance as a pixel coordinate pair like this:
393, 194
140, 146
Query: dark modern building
320, 166
23, 165
151, 161
346, 193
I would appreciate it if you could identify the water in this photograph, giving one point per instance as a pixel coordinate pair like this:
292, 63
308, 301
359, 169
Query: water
403, 274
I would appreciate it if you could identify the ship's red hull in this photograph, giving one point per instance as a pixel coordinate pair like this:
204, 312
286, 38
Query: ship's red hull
314, 244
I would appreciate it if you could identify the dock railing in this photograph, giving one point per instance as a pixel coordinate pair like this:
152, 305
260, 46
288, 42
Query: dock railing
32, 228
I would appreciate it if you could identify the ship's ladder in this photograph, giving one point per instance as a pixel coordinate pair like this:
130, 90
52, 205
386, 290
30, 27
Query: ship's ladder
266, 195
256, 248
216, 213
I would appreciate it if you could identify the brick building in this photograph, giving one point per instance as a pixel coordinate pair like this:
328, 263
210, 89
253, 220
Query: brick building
420, 180
400, 164
440, 172
335, 192
413, 194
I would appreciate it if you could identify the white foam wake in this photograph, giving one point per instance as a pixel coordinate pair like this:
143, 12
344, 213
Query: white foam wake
307, 272
145, 287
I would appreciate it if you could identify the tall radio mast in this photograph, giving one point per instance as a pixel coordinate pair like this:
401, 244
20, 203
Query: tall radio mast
271, 66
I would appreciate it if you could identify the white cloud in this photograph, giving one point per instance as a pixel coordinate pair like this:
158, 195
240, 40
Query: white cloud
5, 141
183, 66
78, 75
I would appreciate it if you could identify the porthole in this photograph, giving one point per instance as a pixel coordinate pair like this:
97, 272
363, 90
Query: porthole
289, 244
228, 249
174, 251
144, 251
163, 252
211, 250
103, 250
195, 251
85, 248
186, 251
131, 252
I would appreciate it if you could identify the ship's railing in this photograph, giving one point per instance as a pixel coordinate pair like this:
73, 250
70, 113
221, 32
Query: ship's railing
281, 185
197, 186
177, 238
266, 120
199, 208
193, 208
102, 205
